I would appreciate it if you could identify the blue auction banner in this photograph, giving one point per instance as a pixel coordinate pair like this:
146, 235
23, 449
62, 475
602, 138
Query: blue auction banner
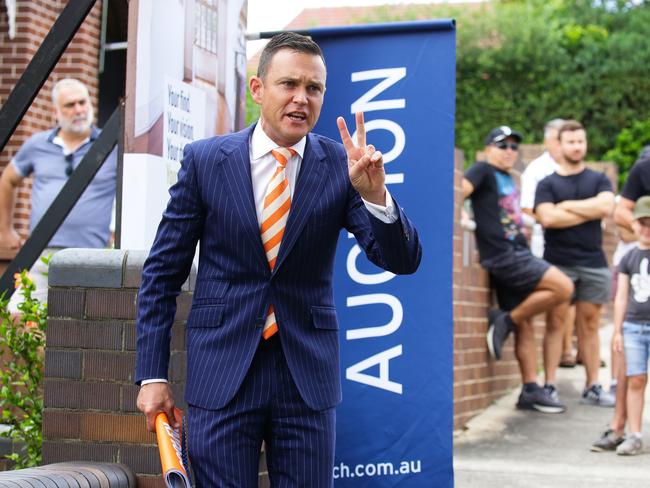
394, 427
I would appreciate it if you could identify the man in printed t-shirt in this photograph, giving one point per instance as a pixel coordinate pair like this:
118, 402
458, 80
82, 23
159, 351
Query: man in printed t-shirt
525, 285
570, 205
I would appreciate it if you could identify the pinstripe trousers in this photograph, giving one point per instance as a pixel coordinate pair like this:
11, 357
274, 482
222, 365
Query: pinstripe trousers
224, 445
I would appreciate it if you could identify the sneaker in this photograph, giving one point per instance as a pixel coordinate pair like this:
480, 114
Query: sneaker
498, 332
612, 391
608, 441
552, 392
595, 395
540, 400
630, 446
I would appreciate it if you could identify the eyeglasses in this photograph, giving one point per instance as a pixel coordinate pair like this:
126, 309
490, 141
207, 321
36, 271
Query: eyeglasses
505, 145
68, 159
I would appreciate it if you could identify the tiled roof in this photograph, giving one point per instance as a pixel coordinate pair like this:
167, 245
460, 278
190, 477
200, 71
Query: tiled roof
323, 17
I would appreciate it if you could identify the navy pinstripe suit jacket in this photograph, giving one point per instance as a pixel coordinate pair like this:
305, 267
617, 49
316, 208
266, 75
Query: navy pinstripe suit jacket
212, 202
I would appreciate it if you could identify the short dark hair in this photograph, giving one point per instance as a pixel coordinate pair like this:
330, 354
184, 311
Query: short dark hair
286, 40
569, 126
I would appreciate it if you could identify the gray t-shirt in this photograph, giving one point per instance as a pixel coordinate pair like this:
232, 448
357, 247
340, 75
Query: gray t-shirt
636, 264
88, 223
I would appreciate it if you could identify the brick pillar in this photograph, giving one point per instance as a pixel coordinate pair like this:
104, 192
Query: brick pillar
34, 18
90, 412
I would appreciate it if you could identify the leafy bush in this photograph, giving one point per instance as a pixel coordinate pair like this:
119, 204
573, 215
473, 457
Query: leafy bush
252, 109
567, 59
22, 343
629, 144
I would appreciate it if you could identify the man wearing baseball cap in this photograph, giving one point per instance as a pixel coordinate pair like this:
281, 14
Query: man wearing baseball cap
525, 285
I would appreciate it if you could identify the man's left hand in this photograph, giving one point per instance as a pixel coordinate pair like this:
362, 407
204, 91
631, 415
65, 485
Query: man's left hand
365, 163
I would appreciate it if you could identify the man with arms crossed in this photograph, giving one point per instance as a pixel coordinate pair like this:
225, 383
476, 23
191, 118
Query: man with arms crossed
525, 285
570, 205
262, 334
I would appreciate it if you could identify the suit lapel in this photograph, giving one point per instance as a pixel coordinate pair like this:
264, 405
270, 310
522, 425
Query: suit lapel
308, 188
240, 187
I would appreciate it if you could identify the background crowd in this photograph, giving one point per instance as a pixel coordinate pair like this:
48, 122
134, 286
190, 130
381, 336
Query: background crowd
542, 247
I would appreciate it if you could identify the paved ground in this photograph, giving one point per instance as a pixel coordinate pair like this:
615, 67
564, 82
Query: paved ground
508, 448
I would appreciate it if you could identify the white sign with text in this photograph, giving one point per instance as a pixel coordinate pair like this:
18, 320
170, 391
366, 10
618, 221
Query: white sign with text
183, 117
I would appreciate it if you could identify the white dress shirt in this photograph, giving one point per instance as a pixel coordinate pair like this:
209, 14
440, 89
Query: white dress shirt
263, 166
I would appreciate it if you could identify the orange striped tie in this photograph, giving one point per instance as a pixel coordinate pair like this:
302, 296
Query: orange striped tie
277, 203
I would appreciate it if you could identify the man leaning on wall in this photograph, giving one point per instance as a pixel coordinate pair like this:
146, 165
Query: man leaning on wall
525, 285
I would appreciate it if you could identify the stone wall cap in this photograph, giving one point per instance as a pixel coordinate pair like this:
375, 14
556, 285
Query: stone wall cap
94, 268
101, 268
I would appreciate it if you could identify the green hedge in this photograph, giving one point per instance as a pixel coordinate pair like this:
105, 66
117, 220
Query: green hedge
629, 144
528, 62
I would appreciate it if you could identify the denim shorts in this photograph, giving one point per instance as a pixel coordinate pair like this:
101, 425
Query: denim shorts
637, 347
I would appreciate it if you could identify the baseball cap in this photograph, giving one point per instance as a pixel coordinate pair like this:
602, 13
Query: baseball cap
500, 133
642, 208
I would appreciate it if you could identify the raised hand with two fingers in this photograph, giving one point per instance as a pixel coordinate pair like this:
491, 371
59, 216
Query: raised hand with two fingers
365, 163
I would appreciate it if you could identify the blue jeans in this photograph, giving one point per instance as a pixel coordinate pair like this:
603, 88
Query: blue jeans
636, 337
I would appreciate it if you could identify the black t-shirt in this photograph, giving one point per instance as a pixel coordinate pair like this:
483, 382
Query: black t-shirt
635, 265
495, 201
580, 245
638, 179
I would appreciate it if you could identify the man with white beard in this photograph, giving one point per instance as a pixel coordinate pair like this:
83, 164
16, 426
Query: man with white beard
538, 169
50, 157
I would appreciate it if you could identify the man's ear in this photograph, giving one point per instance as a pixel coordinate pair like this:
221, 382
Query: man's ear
256, 86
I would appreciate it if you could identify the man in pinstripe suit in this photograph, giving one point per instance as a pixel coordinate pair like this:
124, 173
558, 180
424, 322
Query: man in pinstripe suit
246, 382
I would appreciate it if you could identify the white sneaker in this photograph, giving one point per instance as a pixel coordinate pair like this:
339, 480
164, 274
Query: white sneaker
631, 446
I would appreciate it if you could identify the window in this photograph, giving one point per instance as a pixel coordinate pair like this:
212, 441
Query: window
205, 35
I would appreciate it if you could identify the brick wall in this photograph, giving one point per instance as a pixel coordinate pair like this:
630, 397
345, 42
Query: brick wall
90, 411
33, 21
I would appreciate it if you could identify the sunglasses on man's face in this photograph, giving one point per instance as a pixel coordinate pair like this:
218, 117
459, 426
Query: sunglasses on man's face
505, 145
68, 159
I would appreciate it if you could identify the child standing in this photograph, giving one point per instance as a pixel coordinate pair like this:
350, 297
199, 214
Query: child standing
632, 323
